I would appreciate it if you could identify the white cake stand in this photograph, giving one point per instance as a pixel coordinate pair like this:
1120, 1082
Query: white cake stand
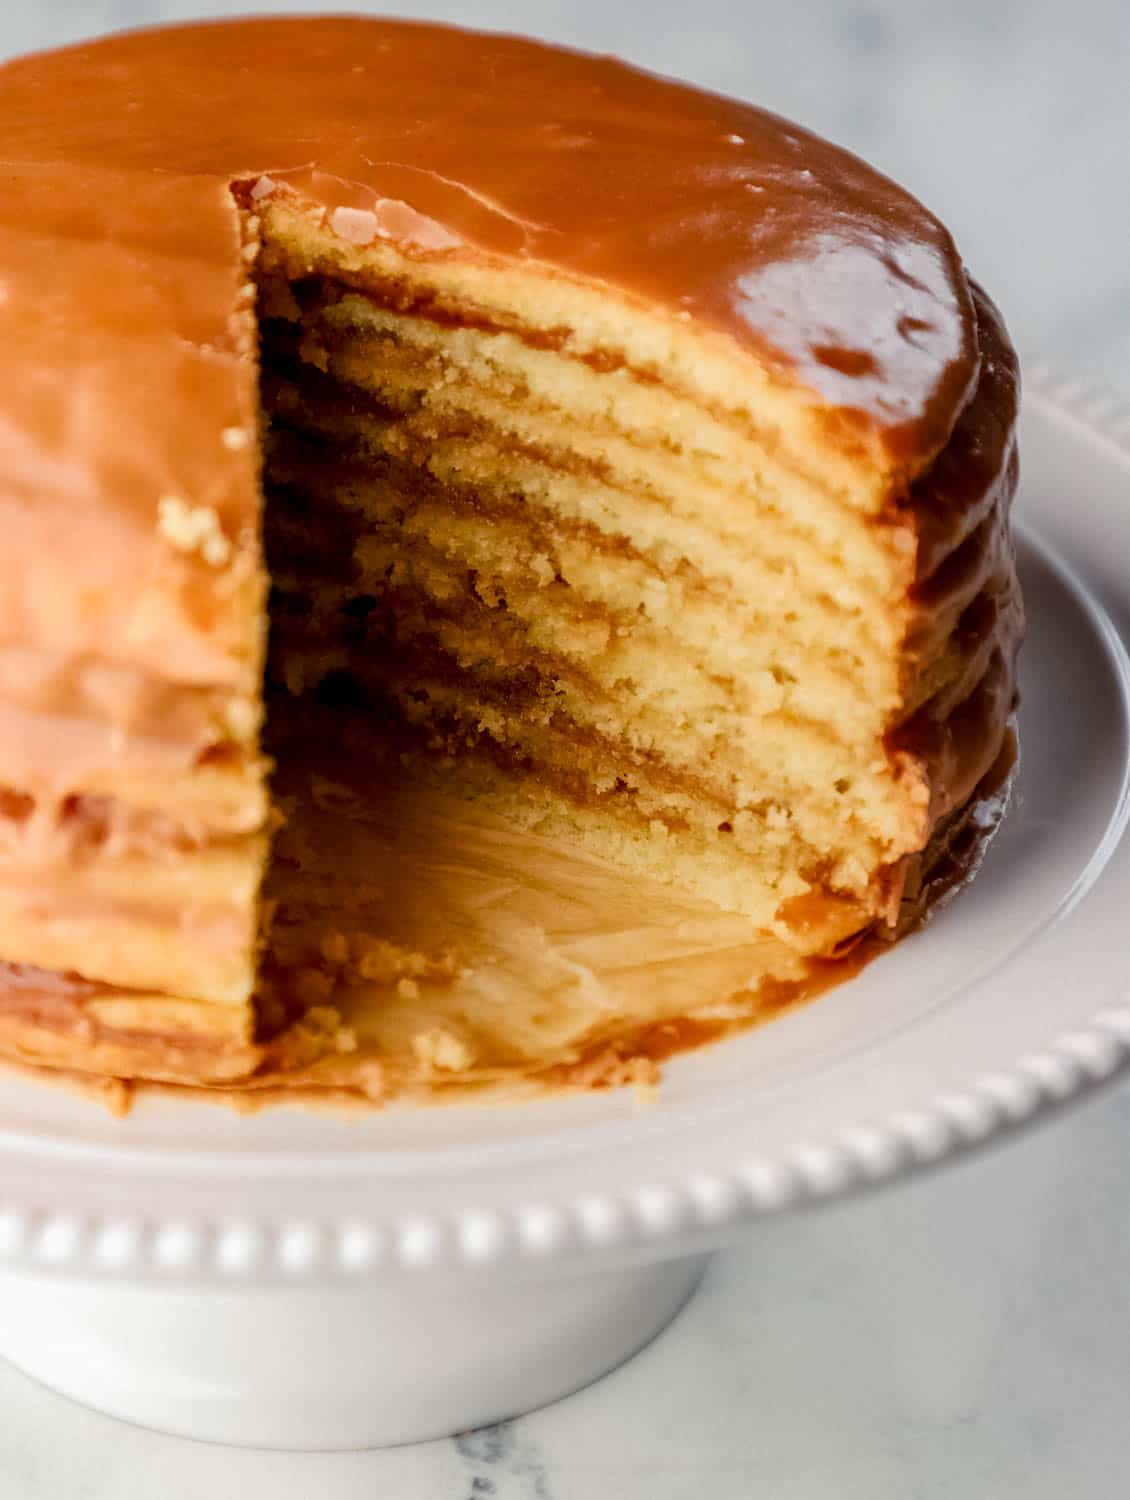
305, 1281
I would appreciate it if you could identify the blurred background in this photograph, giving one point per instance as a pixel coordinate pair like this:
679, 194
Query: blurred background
1009, 118
966, 1337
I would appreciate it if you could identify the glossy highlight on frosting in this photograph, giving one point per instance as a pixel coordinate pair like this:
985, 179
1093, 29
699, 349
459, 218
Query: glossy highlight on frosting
699, 204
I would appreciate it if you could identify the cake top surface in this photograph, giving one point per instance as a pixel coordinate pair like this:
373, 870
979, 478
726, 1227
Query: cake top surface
127, 390
697, 203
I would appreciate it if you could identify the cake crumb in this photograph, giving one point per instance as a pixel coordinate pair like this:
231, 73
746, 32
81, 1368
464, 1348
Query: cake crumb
357, 225
235, 439
241, 718
442, 1051
377, 961
407, 989
193, 528
382, 962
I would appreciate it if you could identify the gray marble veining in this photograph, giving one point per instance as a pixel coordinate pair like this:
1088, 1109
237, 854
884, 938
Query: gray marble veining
966, 1337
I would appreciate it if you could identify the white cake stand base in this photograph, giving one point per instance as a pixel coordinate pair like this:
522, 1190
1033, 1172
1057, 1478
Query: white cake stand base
355, 1366
298, 1280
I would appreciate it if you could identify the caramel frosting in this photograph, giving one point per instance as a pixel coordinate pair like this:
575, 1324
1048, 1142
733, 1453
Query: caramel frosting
555, 971
126, 388
445, 139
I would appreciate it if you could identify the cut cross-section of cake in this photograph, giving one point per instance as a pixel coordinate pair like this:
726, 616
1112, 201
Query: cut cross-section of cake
506, 562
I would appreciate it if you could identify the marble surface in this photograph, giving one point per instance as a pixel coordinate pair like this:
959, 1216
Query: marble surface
965, 1337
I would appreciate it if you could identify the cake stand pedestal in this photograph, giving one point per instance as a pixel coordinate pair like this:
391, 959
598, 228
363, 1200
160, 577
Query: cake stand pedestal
346, 1366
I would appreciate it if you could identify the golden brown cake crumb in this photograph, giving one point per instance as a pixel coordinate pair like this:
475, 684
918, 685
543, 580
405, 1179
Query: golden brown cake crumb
191, 528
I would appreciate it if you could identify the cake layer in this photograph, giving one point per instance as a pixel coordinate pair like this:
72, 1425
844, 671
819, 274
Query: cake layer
405, 359
50, 761
684, 670
588, 710
82, 1027
550, 717
528, 563
662, 511
451, 393
177, 922
643, 676
479, 634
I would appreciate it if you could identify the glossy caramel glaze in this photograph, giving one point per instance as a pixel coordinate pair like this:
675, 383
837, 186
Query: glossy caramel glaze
967, 597
126, 339
698, 203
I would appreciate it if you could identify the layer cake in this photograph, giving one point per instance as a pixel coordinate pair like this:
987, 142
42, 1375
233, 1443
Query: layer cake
505, 554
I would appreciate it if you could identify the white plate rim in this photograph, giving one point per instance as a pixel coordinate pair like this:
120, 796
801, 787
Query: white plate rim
207, 1236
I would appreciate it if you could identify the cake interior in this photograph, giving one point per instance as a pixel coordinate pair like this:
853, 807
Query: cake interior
591, 646
556, 592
